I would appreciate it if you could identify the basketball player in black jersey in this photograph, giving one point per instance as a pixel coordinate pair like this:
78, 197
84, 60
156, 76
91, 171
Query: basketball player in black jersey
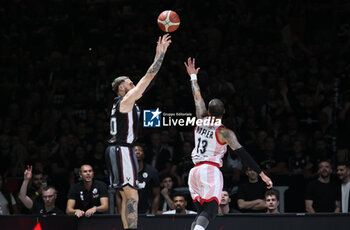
120, 158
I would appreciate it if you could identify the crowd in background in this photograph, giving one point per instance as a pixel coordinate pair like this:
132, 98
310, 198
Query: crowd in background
280, 67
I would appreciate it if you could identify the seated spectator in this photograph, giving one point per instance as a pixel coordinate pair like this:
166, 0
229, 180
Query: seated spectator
180, 204
272, 201
49, 196
149, 186
44, 205
343, 171
224, 206
87, 197
322, 195
165, 202
250, 196
7, 201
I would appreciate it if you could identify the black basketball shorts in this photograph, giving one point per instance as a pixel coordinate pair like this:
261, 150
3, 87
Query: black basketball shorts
122, 166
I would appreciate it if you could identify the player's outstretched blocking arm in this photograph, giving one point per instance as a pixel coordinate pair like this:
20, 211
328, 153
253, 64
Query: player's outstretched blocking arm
229, 137
136, 93
201, 110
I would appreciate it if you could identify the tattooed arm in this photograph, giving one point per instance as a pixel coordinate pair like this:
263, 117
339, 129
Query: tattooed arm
201, 110
228, 136
134, 94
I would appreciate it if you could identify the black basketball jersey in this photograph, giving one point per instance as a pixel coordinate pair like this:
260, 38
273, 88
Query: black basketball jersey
124, 126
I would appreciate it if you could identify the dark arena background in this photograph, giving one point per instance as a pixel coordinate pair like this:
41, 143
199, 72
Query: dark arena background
280, 67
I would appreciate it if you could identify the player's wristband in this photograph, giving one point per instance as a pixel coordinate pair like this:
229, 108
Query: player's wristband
193, 77
96, 208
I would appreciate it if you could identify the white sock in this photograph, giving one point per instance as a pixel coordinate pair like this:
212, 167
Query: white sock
198, 227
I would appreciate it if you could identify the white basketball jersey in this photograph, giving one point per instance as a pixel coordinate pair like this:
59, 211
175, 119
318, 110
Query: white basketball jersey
207, 146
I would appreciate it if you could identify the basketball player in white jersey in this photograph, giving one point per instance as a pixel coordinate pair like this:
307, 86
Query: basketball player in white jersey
205, 179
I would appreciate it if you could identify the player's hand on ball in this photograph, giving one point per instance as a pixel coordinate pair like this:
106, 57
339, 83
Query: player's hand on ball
191, 67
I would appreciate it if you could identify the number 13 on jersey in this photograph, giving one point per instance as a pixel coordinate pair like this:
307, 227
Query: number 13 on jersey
202, 145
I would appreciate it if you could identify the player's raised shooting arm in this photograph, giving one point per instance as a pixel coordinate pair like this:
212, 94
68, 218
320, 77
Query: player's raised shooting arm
201, 110
136, 93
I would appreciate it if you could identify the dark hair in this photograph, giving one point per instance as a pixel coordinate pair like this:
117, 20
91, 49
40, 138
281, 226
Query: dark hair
116, 82
37, 172
140, 144
324, 160
216, 107
50, 187
85, 163
166, 175
175, 194
344, 163
272, 192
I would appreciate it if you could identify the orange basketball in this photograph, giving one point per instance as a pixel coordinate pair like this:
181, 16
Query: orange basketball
168, 21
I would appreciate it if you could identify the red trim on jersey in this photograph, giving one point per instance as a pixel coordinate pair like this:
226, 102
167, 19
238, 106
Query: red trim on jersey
127, 127
196, 199
133, 167
209, 163
216, 135
202, 201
